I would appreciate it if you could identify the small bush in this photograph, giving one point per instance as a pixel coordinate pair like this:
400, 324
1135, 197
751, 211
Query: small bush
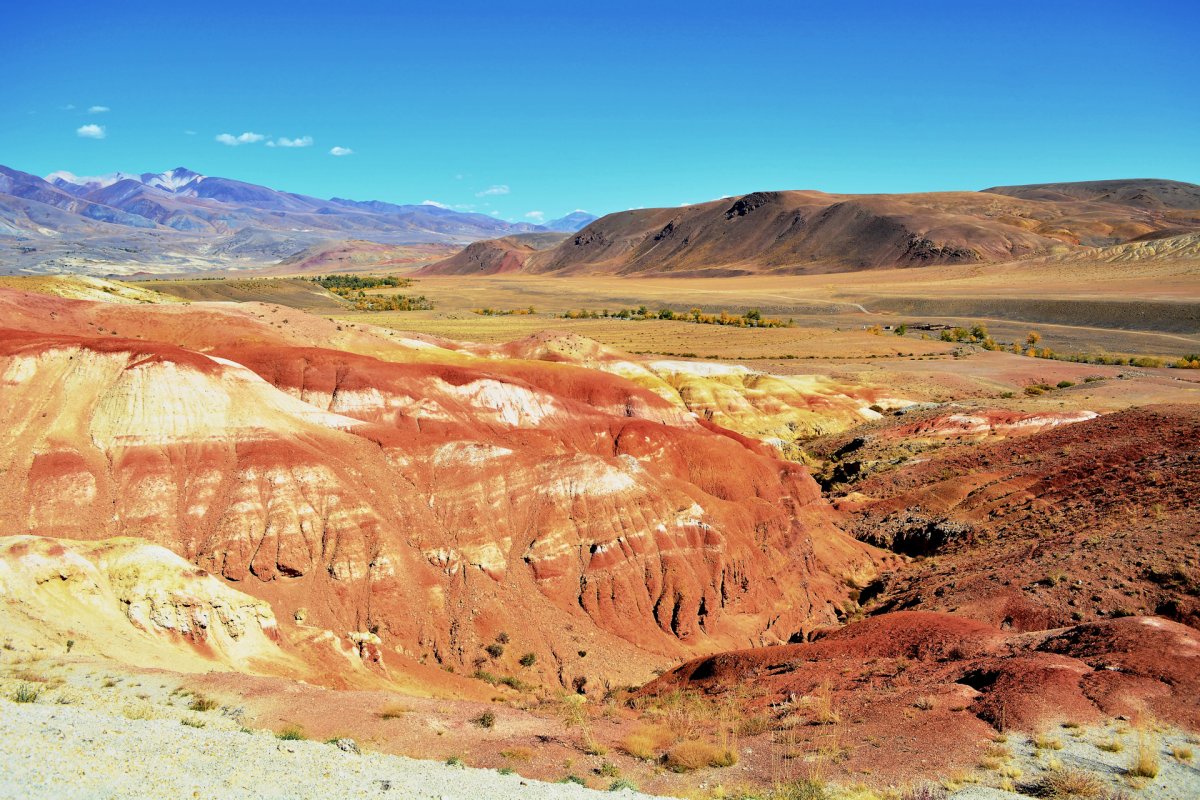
1071, 784
394, 711
456, 762
645, 742
485, 720
1143, 762
608, 769
495, 649
528, 660
502, 637
292, 733
505, 770
1044, 741
620, 784
1182, 754
694, 754
1065, 384
1113, 745
192, 722
202, 703
573, 779
27, 693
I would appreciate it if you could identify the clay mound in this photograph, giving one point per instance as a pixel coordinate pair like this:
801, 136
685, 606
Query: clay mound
410, 509
1075, 522
965, 676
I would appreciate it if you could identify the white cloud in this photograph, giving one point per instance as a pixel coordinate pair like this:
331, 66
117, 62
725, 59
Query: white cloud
434, 203
246, 138
492, 190
341, 151
90, 132
283, 141
99, 109
536, 216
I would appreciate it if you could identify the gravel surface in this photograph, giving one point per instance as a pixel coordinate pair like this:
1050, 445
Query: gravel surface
73, 753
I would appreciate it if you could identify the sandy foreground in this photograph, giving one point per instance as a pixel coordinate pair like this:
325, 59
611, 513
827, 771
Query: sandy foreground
72, 752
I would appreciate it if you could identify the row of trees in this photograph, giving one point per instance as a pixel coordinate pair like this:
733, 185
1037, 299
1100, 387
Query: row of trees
751, 319
978, 334
339, 284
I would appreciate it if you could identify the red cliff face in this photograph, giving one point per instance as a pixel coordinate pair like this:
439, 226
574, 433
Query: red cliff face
422, 494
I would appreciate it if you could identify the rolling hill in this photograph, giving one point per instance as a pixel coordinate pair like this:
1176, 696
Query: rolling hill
797, 232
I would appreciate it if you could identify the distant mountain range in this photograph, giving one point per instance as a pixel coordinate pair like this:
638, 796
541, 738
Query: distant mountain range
794, 232
181, 219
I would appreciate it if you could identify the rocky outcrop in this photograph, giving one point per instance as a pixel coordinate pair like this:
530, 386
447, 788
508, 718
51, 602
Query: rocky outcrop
137, 602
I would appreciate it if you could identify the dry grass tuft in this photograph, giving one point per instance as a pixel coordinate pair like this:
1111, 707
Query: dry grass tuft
1113, 745
694, 754
1044, 741
646, 741
1071, 784
1182, 754
394, 711
1143, 761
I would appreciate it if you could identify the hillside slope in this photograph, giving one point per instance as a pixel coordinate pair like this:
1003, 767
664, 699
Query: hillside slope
796, 232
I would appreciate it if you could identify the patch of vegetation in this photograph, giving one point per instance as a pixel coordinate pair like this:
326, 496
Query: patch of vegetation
202, 703
528, 660
1182, 754
751, 319
495, 649
27, 693
192, 722
456, 762
503, 680
485, 720
346, 283
1044, 741
1071, 784
621, 784
693, 754
292, 733
569, 778
394, 711
517, 754
503, 312
1143, 762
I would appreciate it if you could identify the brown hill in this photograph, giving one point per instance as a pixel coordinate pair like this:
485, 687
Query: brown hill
812, 232
494, 256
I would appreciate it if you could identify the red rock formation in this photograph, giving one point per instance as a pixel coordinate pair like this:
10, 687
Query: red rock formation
418, 493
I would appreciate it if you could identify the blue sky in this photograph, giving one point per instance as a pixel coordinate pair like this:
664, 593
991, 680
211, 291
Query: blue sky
518, 108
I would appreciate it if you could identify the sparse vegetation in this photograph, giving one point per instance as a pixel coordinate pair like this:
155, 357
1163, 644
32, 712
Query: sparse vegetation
1144, 761
291, 733
1071, 784
751, 319
1044, 741
695, 754
202, 703
192, 722
528, 660
485, 720
26, 693
394, 711
1182, 754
